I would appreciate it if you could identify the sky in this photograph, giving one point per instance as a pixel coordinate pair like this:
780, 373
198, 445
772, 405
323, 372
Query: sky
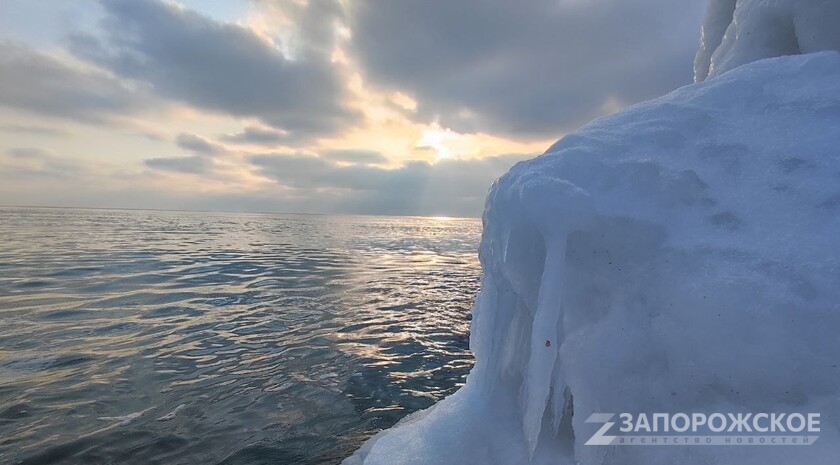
396, 107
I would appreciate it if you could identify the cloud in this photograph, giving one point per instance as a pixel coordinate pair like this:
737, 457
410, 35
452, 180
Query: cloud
41, 84
256, 136
36, 163
188, 165
29, 129
291, 170
515, 72
198, 145
203, 160
363, 157
28, 153
449, 187
217, 66
524, 69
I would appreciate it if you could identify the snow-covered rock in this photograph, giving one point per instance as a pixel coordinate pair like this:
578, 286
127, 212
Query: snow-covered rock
737, 32
680, 256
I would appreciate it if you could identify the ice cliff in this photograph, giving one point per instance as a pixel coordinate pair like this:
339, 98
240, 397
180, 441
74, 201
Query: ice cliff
680, 256
737, 32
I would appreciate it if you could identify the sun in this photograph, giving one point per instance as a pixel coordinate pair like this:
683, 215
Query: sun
437, 138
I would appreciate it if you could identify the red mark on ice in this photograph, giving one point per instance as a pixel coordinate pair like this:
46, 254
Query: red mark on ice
548, 343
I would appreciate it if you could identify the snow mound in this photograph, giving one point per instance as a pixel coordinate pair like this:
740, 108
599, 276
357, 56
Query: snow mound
680, 256
737, 32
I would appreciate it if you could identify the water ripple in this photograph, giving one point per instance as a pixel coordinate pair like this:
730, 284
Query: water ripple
273, 339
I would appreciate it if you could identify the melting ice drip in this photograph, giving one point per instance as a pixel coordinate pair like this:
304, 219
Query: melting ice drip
680, 256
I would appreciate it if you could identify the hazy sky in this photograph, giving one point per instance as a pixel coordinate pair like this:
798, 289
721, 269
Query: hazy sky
372, 106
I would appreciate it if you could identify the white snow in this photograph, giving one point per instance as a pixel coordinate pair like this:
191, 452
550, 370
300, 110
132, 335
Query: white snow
737, 32
680, 256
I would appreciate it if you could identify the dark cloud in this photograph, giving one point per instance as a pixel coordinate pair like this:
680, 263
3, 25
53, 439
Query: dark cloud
256, 136
534, 68
217, 66
198, 145
364, 157
449, 187
518, 69
194, 164
29, 153
201, 162
292, 170
41, 84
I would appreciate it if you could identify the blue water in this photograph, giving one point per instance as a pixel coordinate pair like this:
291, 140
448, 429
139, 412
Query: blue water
288, 339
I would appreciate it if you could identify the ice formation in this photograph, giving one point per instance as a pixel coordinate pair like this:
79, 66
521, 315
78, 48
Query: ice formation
680, 256
737, 32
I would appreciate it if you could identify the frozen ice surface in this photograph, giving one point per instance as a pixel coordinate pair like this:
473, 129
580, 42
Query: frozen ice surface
680, 256
737, 32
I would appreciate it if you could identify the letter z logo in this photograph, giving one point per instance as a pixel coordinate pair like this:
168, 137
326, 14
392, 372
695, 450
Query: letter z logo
599, 439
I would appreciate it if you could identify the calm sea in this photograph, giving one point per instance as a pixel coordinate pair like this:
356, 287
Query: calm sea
138, 337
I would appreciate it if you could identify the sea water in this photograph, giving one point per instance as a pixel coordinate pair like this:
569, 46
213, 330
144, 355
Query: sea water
140, 337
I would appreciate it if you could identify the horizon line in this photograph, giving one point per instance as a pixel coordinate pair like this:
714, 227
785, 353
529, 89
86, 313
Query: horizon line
234, 212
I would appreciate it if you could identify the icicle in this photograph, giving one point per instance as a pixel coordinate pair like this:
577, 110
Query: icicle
557, 208
544, 341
